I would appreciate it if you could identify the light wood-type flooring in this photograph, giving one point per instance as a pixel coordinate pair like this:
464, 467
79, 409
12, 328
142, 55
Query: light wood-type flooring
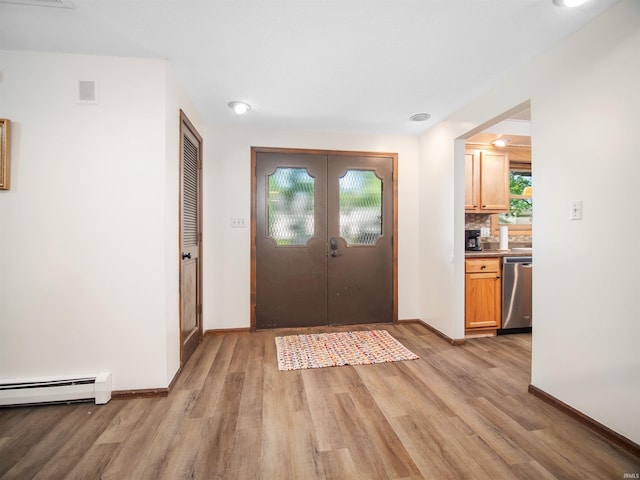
458, 412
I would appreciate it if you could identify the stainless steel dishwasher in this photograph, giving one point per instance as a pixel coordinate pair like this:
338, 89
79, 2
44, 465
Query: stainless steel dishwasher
516, 294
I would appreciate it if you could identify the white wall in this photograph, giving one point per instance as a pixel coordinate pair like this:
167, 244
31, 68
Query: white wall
227, 194
441, 276
586, 298
86, 283
586, 147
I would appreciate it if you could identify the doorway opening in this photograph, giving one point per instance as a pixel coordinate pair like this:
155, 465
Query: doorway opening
499, 209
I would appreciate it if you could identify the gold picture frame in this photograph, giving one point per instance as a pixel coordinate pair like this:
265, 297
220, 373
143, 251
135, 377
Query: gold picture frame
4, 154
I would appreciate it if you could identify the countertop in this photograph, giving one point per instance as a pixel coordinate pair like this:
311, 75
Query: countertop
499, 253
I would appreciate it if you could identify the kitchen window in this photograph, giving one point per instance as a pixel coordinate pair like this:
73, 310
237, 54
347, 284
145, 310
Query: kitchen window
520, 215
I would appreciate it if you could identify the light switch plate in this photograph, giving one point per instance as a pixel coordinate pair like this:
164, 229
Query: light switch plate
576, 210
485, 232
238, 222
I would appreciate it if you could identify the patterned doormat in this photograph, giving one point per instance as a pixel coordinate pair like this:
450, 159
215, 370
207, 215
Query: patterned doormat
296, 352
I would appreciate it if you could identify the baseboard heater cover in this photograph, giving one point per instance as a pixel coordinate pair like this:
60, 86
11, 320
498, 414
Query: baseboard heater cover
75, 388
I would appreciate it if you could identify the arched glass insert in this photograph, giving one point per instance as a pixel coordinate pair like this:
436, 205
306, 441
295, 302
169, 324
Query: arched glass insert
360, 207
291, 207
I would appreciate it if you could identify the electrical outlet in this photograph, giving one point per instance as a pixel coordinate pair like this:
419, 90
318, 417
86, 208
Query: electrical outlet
485, 232
238, 222
575, 212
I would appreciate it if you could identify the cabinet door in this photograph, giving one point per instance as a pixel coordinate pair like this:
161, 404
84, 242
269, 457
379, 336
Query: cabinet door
482, 300
494, 182
471, 180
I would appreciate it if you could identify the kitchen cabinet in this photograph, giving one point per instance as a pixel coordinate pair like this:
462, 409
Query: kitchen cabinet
486, 181
483, 293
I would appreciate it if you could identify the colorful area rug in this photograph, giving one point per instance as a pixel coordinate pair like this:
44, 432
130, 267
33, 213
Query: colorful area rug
296, 352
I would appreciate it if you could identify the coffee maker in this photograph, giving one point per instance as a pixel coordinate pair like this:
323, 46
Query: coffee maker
472, 240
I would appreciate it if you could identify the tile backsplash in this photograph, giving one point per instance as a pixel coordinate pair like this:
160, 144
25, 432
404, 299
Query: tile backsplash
476, 221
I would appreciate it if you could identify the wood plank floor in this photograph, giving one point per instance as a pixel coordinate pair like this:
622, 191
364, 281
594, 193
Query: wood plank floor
457, 412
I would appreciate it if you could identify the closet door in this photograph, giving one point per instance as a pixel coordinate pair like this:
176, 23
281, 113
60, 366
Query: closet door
190, 253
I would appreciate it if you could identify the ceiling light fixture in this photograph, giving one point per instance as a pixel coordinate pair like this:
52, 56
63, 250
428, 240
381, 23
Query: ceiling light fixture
501, 142
568, 3
239, 107
420, 117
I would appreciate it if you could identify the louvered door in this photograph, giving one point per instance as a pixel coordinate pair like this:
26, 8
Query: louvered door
190, 219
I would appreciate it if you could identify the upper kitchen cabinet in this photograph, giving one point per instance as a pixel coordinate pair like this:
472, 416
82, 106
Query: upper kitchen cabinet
471, 180
486, 181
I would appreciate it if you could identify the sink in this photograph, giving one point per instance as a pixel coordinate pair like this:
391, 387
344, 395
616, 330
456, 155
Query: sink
522, 249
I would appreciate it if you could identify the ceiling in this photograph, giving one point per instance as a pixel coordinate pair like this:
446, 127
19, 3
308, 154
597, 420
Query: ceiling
348, 65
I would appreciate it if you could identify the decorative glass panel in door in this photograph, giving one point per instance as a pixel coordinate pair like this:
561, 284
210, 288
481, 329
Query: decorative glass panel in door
360, 207
291, 206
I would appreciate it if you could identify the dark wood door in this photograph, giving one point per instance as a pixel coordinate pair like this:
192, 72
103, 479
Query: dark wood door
190, 241
291, 248
360, 213
323, 234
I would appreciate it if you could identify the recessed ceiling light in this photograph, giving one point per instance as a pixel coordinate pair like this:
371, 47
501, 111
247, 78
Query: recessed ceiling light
239, 107
420, 117
568, 3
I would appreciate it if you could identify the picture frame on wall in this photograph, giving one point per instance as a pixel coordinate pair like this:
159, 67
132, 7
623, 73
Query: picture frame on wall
4, 154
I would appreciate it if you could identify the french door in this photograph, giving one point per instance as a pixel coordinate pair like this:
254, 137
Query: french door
323, 228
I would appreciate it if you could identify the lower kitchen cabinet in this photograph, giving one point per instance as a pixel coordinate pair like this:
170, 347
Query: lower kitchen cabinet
483, 294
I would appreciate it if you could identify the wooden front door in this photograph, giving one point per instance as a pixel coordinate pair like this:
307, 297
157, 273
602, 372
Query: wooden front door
190, 238
323, 227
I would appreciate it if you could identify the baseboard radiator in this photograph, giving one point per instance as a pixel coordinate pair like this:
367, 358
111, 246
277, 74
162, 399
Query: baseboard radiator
35, 391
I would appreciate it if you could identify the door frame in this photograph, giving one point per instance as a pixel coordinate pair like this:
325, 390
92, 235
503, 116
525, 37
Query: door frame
394, 181
185, 353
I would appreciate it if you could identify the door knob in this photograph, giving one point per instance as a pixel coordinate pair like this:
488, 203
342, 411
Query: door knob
333, 244
186, 255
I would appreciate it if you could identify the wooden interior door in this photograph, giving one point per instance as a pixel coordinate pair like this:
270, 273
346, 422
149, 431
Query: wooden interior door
190, 238
323, 230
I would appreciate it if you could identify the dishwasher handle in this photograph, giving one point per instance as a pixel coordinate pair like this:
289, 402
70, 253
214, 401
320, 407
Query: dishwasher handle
528, 261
